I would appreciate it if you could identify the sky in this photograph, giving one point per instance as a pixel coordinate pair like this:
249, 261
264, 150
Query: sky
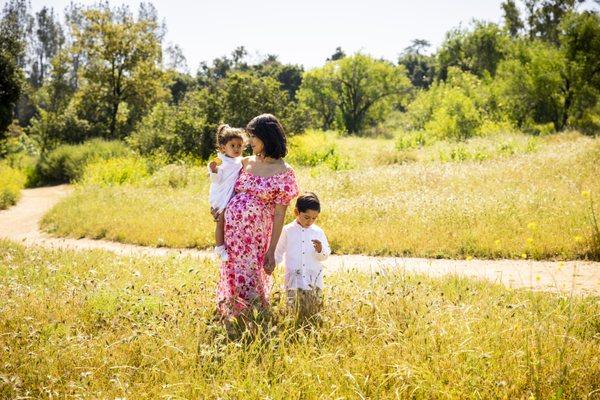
306, 32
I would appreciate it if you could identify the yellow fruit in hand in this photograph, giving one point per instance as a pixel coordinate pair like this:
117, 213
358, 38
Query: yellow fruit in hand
218, 161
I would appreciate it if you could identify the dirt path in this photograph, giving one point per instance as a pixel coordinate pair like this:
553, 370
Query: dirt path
20, 224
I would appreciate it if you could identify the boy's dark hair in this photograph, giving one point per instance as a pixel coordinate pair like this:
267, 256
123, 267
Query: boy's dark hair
270, 131
308, 201
225, 133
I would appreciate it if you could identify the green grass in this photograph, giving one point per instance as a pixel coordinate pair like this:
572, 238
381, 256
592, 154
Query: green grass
95, 325
522, 204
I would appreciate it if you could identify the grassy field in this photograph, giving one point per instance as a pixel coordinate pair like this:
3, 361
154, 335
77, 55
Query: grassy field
521, 200
94, 325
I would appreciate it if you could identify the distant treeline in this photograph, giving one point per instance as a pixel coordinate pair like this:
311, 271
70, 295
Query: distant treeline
104, 71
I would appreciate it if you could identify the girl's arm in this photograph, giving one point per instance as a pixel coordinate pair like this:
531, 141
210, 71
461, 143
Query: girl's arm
269, 264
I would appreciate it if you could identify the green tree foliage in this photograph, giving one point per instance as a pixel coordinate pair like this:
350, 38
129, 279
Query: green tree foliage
318, 95
363, 89
337, 55
580, 43
46, 40
512, 18
544, 84
544, 17
420, 67
457, 108
188, 130
11, 51
477, 51
122, 78
532, 85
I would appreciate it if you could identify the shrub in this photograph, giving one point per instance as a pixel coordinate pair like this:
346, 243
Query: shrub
315, 148
457, 117
66, 163
175, 131
413, 140
11, 183
115, 171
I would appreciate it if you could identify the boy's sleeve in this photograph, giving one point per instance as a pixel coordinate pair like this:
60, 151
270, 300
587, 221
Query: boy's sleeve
325, 250
281, 246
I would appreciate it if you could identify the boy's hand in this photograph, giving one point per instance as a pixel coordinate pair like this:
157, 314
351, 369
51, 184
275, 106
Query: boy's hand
318, 245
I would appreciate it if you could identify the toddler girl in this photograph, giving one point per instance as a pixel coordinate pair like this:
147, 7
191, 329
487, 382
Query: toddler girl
224, 172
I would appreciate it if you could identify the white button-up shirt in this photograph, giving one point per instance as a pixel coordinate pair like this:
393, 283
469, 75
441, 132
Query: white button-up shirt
303, 268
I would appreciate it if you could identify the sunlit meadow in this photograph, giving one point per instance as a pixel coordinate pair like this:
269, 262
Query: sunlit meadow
503, 196
95, 325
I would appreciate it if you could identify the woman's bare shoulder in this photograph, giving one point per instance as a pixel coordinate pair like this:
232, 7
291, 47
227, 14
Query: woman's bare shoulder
247, 159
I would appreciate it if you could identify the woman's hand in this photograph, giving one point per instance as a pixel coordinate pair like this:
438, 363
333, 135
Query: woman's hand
269, 263
215, 213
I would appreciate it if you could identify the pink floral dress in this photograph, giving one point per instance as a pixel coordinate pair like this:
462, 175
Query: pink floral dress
248, 224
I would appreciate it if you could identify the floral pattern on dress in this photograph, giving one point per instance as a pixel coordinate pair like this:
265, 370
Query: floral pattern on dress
249, 219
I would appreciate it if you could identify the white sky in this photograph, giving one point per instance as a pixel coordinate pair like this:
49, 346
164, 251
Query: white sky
306, 32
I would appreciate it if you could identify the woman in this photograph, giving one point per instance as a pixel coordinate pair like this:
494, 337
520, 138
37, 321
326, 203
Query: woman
254, 219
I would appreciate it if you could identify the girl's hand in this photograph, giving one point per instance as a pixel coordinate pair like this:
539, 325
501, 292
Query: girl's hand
213, 166
269, 263
318, 245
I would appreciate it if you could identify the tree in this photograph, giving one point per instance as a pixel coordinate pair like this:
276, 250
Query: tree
121, 71
337, 55
361, 87
545, 16
47, 38
318, 95
512, 18
477, 51
580, 43
11, 51
245, 96
420, 67
532, 85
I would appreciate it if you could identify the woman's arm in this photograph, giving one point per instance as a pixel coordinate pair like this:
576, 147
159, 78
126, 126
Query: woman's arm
280, 210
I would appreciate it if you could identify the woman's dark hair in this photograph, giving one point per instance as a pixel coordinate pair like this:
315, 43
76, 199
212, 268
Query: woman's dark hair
225, 133
308, 201
269, 130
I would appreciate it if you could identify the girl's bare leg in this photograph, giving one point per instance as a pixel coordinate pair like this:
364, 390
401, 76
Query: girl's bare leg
220, 230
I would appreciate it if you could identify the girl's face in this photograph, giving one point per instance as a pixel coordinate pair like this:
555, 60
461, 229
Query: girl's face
257, 145
233, 148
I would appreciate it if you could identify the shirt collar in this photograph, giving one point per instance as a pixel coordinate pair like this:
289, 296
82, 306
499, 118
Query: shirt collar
227, 159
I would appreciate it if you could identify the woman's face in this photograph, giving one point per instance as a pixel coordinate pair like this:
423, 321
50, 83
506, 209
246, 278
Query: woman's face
256, 144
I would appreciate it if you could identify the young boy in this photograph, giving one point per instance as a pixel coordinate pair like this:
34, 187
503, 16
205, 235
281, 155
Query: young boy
304, 245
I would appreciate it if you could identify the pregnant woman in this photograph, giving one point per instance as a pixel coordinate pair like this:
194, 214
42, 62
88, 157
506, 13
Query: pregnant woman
253, 221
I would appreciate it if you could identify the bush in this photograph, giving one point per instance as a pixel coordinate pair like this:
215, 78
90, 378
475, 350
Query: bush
413, 140
115, 171
175, 131
11, 183
462, 107
456, 118
315, 148
66, 163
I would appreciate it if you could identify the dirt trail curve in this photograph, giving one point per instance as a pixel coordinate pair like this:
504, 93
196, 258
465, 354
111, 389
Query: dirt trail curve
20, 224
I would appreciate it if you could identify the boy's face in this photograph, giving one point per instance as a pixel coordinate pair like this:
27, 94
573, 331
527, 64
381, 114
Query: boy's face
233, 148
306, 218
